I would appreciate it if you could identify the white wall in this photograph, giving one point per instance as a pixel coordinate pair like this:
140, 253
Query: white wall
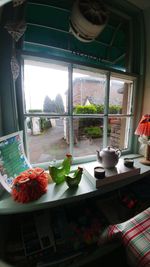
146, 101
146, 104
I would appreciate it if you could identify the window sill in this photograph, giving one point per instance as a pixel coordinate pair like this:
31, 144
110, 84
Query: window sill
60, 194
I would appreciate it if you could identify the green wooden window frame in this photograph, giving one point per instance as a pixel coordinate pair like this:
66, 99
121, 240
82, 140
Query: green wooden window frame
70, 115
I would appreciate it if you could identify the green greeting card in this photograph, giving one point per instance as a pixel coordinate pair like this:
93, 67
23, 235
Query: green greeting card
12, 159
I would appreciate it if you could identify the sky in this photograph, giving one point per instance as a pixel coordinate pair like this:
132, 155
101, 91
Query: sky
39, 82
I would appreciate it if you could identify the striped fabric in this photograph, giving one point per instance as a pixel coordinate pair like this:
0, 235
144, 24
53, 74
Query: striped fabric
135, 236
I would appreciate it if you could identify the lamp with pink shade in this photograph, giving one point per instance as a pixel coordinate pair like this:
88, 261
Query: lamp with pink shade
143, 130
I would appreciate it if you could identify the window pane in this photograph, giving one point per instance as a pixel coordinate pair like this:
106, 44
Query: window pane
88, 92
88, 136
46, 139
45, 87
120, 96
118, 132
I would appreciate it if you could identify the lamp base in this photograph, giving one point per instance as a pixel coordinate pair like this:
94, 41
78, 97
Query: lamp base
145, 162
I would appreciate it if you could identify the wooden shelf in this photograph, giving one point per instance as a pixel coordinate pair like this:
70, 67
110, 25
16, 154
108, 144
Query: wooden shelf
81, 259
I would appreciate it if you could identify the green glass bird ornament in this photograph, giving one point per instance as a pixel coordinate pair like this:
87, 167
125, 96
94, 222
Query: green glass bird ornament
58, 173
74, 179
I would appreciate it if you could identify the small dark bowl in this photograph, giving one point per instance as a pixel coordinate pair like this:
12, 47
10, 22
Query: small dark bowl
99, 172
128, 162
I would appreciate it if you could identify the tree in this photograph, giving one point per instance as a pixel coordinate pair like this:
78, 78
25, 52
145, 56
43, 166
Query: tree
59, 104
46, 104
49, 105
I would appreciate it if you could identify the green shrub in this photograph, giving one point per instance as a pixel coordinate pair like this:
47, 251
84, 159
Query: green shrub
89, 109
99, 109
93, 131
45, 124
35, 111
114, 109
96, 109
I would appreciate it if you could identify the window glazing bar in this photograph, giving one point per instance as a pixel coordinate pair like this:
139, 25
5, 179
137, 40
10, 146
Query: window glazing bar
70, 108
106, 109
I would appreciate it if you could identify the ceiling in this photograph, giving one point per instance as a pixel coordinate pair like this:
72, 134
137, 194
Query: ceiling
51, 36
143, 4
2, 2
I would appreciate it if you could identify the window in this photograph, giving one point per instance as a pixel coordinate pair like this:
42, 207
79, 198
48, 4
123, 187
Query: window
74, 109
